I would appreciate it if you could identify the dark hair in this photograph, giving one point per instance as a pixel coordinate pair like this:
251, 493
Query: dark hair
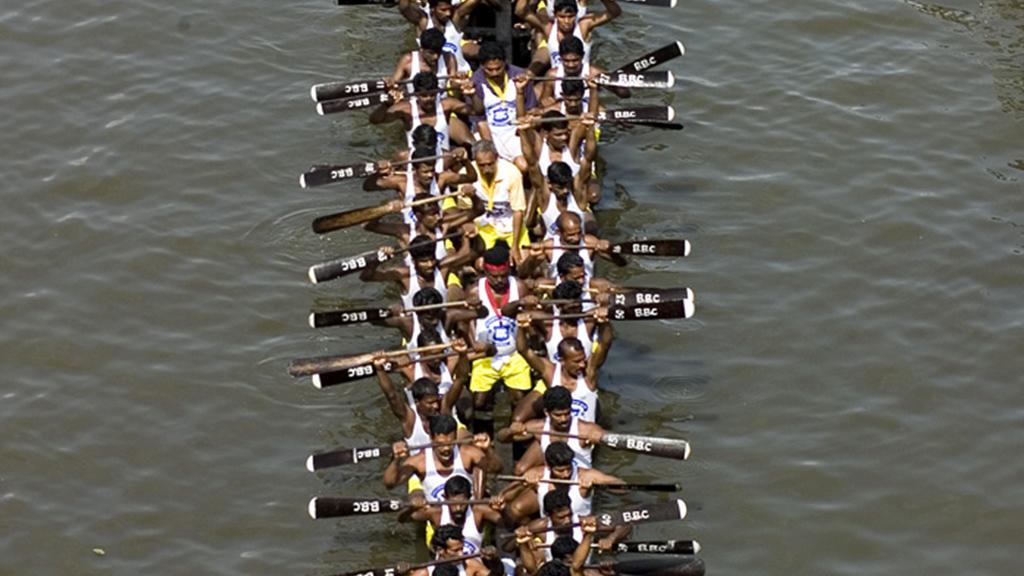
425, 81
434, 3
443, 534
557, 398
562, 123
570, 44
423, 387
568, 344
563, 547
457, 486
554, 568
424, 151
422, 247
557, 454
568, 261
424, 135
427, 297
567, 290
429, 337
446, 570
426, 207
573, 88
557, 499
498, 254
560, 173
491, 51
445, 424
433, 39
566, 5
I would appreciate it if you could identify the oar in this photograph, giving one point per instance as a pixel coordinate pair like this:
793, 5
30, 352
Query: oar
361, 315
633, 114
324, 507
659, 512
635, 296
688, 547
353, 373
347, 88
308, 366
345, 456
691, 566
658, 311
327, 174
659, 56
632, 487
339, 220
656, 79
343, 266
384, 2
353, 103
654, 446
640, 247
393, 570
657, 3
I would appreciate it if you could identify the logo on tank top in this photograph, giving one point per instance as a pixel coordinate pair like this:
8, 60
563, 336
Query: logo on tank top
437, 493
579, 407
468, 547
500, 115
501, 329
450, 48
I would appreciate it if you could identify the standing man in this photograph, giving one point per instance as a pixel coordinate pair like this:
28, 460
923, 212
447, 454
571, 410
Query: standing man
494, 97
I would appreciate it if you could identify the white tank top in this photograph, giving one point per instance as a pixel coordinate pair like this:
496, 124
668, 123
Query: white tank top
584, 457
419, 434
410, 192
452, 42
417, 329
440, 251
584, 400
551, 213
556, 253
580, 13
414, 286
556, 58
551, 536
440, 124
556, 338
557, 91
500, 111
433, 482
544, 159
444, 383
472, 538
580, 505
495, 328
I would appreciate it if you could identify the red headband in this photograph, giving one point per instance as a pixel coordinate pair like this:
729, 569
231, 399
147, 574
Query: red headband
496, 268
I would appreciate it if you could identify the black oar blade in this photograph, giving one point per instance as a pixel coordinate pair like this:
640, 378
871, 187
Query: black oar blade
653, 248
341, 267
660, 311
321, 175
661, 447
323, 380
652, 513
343, 317
345, 456
335, 90
688, 547
346, 104
638, 114
659, 56
655, 79
637, 296
660, 567
320, 507
657, 3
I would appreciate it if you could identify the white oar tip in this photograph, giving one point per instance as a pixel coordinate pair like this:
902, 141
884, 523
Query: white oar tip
672, 4
679, 45
312, 274
671, 80
686, 248
320, 108
312, 89
696, 547
312, 319
686, 452
309, 464
690, 295
312, 506
316, 381
302, 180
689, 308
671, 117
680, 503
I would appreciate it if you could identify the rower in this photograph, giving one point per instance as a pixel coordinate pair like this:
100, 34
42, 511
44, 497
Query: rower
564, 25
424, 270
444, 16
574, 63
449, 373
499, 293
448, 542
558, 465
427, 403
494, 97
426, 59
574, 370
557, 193
423, 178
426, 220
558, 418
472, 519
544, 255
434, 466
428, 105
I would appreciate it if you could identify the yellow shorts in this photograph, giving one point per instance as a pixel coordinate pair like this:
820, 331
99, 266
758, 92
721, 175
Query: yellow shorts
540, 386
489, 235
515, 373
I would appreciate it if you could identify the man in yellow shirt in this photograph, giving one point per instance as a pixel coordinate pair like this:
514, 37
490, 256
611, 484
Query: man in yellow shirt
499, 189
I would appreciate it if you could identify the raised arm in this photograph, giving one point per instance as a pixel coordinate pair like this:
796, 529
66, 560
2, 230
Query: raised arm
612, 10
399, 407
542, 365
412, 12
605, 335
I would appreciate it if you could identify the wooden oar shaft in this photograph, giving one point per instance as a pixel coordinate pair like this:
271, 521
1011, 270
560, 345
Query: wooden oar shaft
469, 502
428, 348
432, 199
438, 306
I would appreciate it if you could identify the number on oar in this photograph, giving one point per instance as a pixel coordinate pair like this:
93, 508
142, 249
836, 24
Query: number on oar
339, 507
654, 446
659, 547
637, 296
653, 248
346, 89
354, 103
659, 56
637, 114
659, 311
343, 266
354, 217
